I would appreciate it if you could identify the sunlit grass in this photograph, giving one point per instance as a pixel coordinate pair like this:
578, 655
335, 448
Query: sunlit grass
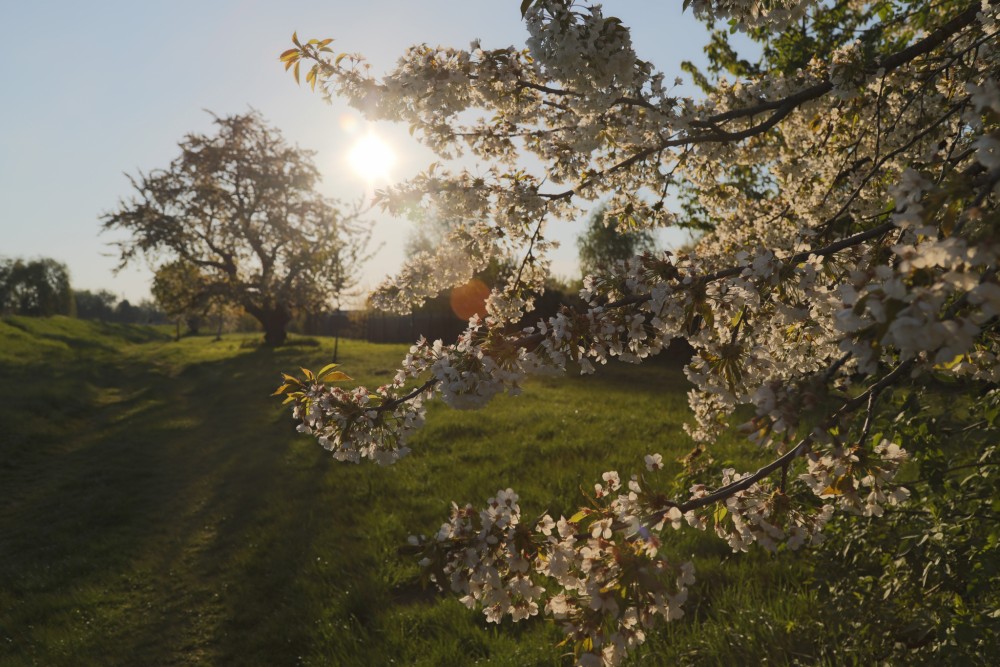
158, 508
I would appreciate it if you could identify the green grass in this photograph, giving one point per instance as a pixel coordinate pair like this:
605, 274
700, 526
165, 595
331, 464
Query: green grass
158, 508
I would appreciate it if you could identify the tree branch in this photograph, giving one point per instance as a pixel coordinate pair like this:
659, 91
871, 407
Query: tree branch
798, 450
784, 106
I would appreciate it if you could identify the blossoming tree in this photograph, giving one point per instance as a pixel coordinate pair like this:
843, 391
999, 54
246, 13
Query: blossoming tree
862, 271
236, 219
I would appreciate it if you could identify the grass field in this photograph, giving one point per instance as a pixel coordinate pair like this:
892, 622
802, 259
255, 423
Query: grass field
158, 508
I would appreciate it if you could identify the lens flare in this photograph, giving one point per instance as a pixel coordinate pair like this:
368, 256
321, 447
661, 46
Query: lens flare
469, 299
349, 123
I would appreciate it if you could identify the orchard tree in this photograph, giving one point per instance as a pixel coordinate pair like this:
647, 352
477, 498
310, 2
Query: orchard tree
183, 292
240, 209
606, 241
845, 296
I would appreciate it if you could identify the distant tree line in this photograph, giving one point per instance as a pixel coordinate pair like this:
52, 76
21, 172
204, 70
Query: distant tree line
41, 288
35, 287
104, 306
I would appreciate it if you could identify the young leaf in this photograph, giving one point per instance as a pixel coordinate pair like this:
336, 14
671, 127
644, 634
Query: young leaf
839, 486
719, 513
326, 369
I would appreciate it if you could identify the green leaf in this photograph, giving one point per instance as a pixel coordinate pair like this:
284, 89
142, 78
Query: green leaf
328, 374
720, 513
326, 369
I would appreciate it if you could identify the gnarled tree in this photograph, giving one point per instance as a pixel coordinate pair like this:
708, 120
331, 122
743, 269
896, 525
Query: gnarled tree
240, 210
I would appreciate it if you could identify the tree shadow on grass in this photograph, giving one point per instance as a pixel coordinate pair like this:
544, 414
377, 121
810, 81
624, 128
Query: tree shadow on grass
170, 515
169, 512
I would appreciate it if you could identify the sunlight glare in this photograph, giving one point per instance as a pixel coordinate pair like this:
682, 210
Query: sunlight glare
371, 158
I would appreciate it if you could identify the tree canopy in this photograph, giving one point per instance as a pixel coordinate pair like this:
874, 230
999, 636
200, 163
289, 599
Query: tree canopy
240, 210
606, 241
38, 287
98, 305
844, 300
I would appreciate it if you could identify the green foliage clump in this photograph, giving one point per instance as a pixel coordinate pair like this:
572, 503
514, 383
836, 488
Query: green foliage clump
37, 287
922, 583
607, 240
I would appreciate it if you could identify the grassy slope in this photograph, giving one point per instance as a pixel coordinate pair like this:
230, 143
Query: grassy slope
157, 508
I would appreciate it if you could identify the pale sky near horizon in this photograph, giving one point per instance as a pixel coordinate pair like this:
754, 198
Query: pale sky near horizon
92, 91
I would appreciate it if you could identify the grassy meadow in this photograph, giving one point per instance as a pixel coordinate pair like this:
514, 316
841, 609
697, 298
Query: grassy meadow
158, 508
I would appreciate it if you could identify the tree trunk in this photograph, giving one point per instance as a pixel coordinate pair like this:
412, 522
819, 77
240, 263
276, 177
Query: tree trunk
273, 319
274, 323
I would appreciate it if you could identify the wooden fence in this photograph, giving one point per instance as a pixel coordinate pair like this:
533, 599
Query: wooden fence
378, 327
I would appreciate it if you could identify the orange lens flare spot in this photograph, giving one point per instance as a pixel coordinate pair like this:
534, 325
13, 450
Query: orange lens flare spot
469, 299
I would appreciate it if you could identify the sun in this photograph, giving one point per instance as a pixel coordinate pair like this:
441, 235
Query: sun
371, 158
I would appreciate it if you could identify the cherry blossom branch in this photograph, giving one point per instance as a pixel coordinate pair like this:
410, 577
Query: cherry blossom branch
826, 251
396, 402
888, 64
798, 450
783, 107
531, 341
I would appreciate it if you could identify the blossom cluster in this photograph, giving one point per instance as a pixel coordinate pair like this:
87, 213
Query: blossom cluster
492, 559
358, 424
752, 13
844, 472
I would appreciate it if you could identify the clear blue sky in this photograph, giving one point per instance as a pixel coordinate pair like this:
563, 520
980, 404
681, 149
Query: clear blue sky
94, 90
